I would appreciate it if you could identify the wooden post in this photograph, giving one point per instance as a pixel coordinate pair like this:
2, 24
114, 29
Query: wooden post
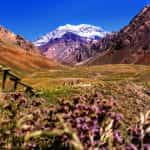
5, 73
29, 90
15, 80
15, 85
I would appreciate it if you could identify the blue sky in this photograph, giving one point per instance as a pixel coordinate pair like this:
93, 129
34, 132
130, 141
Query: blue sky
33, 18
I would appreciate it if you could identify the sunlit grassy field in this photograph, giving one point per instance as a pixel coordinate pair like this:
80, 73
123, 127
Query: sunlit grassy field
129, 85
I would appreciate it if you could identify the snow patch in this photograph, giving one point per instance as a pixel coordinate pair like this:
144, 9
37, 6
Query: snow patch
84, 30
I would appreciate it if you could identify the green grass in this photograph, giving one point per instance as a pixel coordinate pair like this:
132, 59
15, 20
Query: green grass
52, 95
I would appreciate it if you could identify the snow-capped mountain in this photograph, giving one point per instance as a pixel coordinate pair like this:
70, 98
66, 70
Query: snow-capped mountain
69, 44
89, 32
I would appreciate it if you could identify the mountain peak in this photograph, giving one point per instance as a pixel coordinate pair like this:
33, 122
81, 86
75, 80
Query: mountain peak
147, 6
145, 10
79, 27
83, 30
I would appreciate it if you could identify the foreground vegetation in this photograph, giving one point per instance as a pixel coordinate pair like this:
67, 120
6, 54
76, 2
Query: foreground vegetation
99, 107
83, 122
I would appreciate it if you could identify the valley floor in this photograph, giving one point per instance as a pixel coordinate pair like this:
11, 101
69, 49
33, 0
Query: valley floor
127, 86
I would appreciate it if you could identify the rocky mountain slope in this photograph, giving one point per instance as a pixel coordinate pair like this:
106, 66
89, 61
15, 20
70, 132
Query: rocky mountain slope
130, 45
21, 55
69, 44
7, 36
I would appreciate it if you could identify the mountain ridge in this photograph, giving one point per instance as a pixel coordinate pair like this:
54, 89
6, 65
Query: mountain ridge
130, 45
20, 54
69, 44
83, 30
7, 36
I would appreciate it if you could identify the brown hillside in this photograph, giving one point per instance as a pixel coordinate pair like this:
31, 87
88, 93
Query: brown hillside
19, 59
129, 46
21, 55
